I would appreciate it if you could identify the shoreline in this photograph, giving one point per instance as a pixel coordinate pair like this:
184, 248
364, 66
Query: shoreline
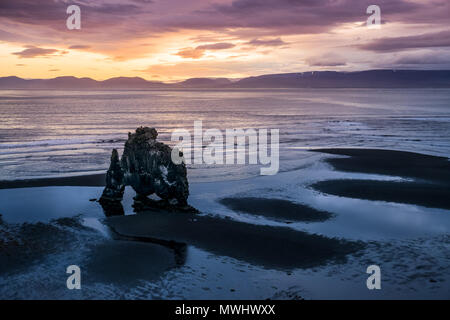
428, 177
427, 181
90, 180
390, 162
361, 160
264, 243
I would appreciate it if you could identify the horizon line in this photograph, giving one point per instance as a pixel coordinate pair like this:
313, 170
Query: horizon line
217, 77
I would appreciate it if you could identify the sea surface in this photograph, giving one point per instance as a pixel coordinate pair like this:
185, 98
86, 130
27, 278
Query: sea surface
53, 133
56, 133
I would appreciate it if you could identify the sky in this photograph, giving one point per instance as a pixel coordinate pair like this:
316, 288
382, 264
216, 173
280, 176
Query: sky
172, 40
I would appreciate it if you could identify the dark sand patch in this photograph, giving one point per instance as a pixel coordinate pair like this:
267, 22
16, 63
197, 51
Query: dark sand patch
390, 162
430, 188
23, 245
93, 180
125, 262
272, 247
423, 194
276, 208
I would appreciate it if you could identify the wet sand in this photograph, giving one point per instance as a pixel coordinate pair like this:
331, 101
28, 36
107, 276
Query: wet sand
93, 180
431, 177
392, 163
137, 261
267, 246
271, 247
422, 194
152, 236
277, 209
283, 247
22, 246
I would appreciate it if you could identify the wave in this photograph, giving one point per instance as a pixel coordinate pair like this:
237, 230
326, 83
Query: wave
59, 142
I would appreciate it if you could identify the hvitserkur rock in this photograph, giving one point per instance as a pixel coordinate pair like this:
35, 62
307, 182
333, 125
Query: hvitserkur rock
146, 165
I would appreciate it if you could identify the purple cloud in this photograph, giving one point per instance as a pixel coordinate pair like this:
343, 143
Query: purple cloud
198, 52
33, 52
79, 46
423, 58
428, 40
118, 28
109, 20
266, 43
216, 46
327, 60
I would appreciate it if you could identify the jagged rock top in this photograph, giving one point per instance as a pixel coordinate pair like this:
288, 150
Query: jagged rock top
146, 165
143, 134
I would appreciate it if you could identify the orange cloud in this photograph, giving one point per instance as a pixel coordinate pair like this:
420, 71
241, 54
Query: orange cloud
191, 53
33, 52
198, 52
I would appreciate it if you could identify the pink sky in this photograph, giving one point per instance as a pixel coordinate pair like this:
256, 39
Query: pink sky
169, 40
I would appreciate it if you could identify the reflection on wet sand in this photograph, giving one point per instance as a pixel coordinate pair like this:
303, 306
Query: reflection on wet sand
271, 247
112, 208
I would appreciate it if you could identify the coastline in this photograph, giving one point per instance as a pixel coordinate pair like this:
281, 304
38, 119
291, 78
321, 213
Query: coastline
93, 180
276, 238
424, 180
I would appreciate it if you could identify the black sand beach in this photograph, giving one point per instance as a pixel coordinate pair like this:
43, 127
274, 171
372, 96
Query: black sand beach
148, 243
392, 163
266, 246
278, 209
23, 246
93, 180
272, 247
422, 194
431, 177
140, 261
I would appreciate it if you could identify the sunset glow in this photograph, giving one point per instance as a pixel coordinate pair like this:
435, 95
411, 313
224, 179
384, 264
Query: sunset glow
174, 40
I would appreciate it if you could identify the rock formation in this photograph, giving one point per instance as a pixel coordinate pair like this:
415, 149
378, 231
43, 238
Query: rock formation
146, 165
114, 180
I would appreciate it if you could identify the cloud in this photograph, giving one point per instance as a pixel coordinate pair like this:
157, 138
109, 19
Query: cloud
113, 21
422, 59
326, 60
11, 37
427, 40
79, 46
33, 52
216, 46
191, 53
198, 52
286, 17
118, 29
266, 43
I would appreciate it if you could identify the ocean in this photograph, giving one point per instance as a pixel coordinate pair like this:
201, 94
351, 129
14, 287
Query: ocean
45, 229
60, 133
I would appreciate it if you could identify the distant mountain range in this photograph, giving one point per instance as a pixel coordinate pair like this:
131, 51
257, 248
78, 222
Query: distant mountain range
316, 79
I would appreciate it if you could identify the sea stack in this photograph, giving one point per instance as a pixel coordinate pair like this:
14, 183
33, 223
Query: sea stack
146, 165
114, 180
